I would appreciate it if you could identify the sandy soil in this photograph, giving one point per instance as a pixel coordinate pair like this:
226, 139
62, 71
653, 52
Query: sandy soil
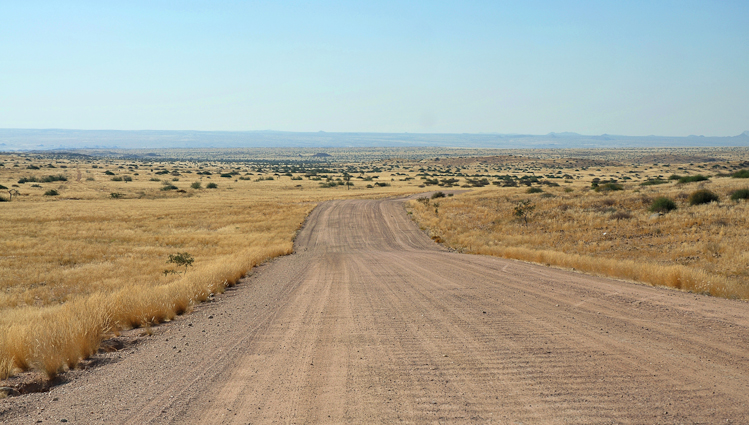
372, 322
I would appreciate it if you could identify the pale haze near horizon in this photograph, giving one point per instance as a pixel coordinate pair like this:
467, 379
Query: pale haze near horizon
629, 68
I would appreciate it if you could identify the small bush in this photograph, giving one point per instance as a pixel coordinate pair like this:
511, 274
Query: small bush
168, 187
196, 185
29, 179
662, 205
621, 215
691, 179
675, 177
109, 173
534, 190
653, 182
116, 179
116, 195
127, 178
50, 179
211, 186
608, 187
227, 175
702, 196
436, 195
51, 192
740, 194
741, 174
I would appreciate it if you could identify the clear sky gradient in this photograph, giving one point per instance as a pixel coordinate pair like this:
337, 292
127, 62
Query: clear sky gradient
670, 68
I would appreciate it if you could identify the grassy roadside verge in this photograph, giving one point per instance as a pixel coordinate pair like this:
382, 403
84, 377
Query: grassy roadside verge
99, 275
700, 248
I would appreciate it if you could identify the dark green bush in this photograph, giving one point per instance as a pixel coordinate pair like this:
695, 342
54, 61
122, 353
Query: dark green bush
740, 194
195, 185
608, 187
227, 175
211, 186
436, 195
116, 179
51, 192
675, 177
741, 174
109, 173
694, 178
534, 190
702, 196
662, 205
653, 182
50, 179
168, 187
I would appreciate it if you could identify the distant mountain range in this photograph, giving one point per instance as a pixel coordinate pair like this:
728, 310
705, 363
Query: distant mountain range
52, 139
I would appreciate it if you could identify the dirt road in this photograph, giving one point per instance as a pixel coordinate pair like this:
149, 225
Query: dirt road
371, 322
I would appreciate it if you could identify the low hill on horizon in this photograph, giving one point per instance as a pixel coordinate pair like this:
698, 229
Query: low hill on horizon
53, 139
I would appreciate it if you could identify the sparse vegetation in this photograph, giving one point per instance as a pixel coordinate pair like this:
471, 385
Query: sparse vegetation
51, 192
211, 186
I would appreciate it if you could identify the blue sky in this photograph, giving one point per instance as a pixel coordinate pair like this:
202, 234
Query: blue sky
634, 68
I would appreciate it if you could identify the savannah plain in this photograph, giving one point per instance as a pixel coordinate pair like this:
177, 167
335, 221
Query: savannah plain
86, 242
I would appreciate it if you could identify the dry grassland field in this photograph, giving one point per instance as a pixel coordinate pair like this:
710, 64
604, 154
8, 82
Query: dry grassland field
85, 242
86, 239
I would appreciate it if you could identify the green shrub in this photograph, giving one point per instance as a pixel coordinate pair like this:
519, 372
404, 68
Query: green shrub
50, 179
51, 192
694, 178
741, 174
227, 175
534, 190
436, 195
196, 185
3, 187
662, 205
116, 195
109, 173
653, 182
675, 177
168, 187
116, 179
127, 178
608, 187
702, 196
740, 194
211, 186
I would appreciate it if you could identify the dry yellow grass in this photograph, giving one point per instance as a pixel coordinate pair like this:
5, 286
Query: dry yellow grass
82, 265
701, 248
